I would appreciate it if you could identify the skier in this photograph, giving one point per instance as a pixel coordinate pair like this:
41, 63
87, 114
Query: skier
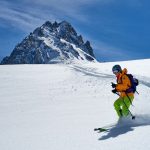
125, 89
125, 99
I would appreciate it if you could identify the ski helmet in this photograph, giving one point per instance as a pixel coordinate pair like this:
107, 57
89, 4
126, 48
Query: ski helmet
116, 68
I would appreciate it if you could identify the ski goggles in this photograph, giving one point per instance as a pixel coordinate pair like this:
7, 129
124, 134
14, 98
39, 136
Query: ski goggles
115, 71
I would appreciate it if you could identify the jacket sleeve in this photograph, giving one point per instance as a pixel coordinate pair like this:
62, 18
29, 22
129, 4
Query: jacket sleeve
124, 85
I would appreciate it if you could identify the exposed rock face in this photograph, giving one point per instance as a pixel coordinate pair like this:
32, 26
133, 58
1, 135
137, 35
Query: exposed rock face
51, 43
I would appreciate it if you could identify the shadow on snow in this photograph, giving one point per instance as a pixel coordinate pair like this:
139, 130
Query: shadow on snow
126, 126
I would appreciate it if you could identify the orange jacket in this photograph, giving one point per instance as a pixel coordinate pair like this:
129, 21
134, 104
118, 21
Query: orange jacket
123, 83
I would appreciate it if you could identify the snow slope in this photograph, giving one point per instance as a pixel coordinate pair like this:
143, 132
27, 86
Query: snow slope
54, 107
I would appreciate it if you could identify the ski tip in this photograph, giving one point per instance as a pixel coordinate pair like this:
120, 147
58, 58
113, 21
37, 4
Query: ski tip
100, 129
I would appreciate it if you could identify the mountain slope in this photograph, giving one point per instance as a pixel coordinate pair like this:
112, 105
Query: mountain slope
51, 43
58, 106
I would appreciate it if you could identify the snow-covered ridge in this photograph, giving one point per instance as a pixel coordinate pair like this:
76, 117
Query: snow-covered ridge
82, 53
46, 45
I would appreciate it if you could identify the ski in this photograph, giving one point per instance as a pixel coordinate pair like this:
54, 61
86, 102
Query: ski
105, 128
101, 129
123, 122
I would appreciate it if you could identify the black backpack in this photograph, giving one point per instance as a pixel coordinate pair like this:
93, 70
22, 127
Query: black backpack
134, 84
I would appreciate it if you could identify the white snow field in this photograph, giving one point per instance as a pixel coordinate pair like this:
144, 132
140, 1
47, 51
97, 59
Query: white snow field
56, 107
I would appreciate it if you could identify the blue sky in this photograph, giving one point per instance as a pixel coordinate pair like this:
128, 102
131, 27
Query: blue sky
117, 29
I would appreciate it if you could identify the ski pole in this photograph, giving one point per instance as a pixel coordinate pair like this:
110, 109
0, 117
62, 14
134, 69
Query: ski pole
133, 117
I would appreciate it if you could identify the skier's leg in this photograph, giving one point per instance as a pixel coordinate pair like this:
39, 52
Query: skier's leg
117, 105
126, 105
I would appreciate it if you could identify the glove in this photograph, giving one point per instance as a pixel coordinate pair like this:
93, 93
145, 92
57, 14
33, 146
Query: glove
113, 85
114, 91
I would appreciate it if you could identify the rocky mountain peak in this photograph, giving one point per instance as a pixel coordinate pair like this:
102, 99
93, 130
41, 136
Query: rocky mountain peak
52, 42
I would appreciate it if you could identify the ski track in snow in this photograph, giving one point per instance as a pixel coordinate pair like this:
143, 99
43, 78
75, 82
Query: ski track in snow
142, 81
91, 72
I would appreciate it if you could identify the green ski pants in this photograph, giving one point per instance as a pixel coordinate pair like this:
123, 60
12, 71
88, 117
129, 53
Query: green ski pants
122, 105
